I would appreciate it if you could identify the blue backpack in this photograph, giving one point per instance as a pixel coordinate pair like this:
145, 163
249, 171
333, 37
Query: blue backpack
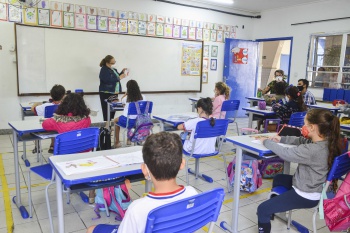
115, 198
143, 125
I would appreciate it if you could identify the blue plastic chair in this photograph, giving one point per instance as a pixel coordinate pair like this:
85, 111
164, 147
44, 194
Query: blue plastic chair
296, 119
71, 142
187, 215
340, 167
230, 106
205, 130
132, 111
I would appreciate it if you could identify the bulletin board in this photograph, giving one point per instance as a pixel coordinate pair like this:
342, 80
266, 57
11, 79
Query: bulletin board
48, 56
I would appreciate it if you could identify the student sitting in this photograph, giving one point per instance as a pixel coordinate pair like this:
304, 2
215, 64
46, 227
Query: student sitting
222, 93
57, 93
280, 88
133, 94
314, 154
162, 156
203, 145
309, 98
295, 103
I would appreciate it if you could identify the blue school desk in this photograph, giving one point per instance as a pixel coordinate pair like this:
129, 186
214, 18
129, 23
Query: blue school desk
193, 103
26, 109
244, 143
253, 100
344, 128
327, 106
76, 179
256, 111
113, 107
174, 119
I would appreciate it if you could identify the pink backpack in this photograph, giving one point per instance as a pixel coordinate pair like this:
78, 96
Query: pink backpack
250, 179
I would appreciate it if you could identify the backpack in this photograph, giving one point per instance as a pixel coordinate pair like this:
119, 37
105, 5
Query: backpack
104, 141
143, 125
271, 167
116, 198
250, 179
289, 130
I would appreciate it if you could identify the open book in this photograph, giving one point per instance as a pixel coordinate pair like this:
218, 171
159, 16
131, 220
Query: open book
99, 163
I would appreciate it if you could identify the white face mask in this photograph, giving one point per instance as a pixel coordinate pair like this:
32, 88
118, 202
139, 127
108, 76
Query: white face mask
287, 99
279, 78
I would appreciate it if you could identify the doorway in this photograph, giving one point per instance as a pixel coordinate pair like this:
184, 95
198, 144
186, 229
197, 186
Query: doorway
274, 54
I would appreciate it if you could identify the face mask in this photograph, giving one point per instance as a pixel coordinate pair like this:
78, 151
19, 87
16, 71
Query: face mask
300, 88
279, 78
305, 131
287, 99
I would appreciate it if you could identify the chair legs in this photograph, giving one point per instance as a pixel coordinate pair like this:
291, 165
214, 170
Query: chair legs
198, 174
49, 207
237, 128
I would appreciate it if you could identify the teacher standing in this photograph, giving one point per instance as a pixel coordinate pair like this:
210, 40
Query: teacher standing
109, 82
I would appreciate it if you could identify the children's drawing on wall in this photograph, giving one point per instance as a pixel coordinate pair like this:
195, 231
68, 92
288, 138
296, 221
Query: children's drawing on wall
80, 9
206, 34
102, 12
132, 26
206, 51
169, 20
91, 22
123, 25
151, 18
205, 64
80, 21
112, 24
102, 23
123, 15
240, 55
168, 30
192, 33
184, 32
56, 6
91, 10
44, 4
3, 11
15, 14
213, 35
68, 19
214, 51
204, 77
219, 36
160, 19
142, 28
199, 34
142, 16
160, 29
68, 7
213, 64
193, 23
151, 29
112, 13
44, 17
176, 31
226, 35
30, 16
177, 21
56, 18
185, 22
191, 59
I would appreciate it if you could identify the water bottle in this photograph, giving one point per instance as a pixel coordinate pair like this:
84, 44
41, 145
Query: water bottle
259, 94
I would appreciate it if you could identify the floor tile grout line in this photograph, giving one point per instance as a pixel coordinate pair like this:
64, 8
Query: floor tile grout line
7, 199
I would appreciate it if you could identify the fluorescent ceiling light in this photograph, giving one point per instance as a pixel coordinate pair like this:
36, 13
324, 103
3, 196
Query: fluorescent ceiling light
230, 2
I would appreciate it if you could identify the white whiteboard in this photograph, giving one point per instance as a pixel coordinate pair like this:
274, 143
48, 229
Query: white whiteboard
48, 56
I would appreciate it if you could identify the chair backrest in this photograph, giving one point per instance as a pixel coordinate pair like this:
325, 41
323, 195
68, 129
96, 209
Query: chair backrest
187, 215
340, 167
297, 119
142, 104
230, 106
76, 141
205, 130
50, 110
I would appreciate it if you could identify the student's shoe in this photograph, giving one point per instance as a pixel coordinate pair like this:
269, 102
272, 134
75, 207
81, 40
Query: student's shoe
91, 200
35, 150
128, 142
50, 150
118, 145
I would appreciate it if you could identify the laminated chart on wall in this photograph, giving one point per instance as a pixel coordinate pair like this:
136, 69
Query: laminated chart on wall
191, 59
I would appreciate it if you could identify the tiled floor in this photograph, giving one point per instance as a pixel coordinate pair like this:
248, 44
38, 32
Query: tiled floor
78, 215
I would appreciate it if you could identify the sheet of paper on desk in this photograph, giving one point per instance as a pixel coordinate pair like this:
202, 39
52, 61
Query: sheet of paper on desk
86, 165
127, 159
179, 118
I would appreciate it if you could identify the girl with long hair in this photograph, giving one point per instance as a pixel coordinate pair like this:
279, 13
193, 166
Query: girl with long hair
222, 93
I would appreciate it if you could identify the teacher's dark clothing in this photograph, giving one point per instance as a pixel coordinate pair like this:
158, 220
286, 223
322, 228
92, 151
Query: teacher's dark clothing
108, 83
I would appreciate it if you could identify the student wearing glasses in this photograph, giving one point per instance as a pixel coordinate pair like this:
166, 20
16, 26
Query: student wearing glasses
109, 82
279, 77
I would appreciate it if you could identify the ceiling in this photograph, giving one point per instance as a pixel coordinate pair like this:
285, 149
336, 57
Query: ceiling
249, 6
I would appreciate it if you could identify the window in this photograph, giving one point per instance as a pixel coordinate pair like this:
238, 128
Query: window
329, 61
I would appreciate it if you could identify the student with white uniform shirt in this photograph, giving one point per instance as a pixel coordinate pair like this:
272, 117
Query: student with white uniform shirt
203, 145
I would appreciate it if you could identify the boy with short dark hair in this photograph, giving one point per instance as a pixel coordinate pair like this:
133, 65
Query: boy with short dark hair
162, 156
309, 98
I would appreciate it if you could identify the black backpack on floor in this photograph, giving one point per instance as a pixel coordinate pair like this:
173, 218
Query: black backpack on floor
104, 142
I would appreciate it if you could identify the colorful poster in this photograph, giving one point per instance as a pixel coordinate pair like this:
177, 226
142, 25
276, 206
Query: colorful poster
44, 4
192, 33
56, 18
199, 34
142, 27
160, 29
80, 21
240, 55
44, 17
68, 19
205, 64
15, 14
133, 25
214, 50
184, 32
213, 35
191, 59
206, 34
113, 24
3, 11
91, 22
30, 16
68, 7
168, 30
219, 36
56, 6
102, 24
80, 9
151, 29
176, 31
123, 25
206, 51
213, 64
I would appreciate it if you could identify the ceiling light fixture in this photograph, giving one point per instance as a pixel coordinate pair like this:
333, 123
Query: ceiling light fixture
229, 2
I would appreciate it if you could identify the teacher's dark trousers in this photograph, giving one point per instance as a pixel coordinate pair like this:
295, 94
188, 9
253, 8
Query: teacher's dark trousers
104, 105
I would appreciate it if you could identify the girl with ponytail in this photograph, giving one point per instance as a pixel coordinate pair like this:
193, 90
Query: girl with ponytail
203, 145
222, 93
314, 153
295, 103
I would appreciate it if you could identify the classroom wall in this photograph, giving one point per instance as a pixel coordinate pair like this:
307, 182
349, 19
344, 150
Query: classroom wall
277, 23
163, 103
